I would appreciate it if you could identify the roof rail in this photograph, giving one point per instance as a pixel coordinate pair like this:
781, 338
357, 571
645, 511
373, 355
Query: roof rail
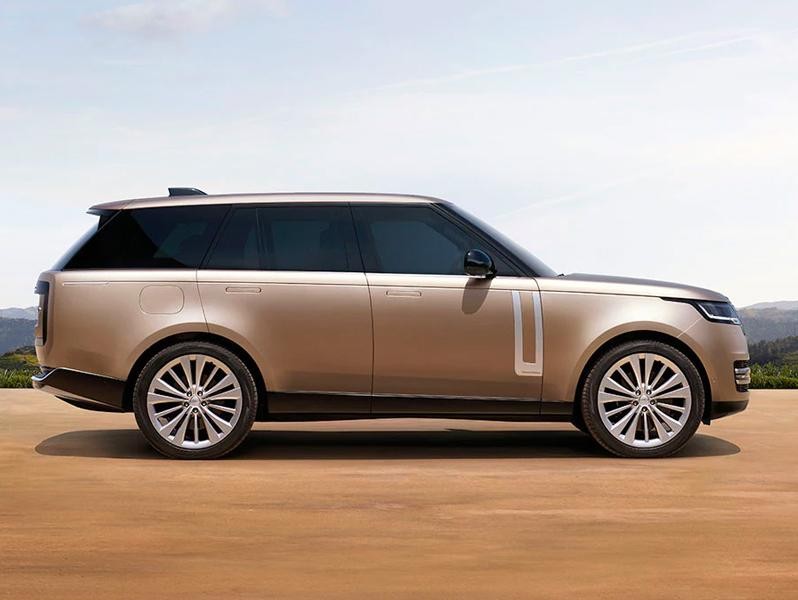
186, 192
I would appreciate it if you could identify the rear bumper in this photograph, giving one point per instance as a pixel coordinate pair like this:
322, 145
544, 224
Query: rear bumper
84, 390
724, 409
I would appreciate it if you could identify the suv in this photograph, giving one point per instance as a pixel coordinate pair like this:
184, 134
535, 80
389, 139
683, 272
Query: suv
202, 314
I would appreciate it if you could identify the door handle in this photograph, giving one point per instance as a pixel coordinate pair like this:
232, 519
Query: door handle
404, 293
242, 289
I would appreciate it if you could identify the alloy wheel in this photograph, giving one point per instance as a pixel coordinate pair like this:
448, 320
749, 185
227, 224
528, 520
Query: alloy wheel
194, 401
644, 400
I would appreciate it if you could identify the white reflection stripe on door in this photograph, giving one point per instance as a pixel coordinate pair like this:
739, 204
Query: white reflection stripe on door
521, 367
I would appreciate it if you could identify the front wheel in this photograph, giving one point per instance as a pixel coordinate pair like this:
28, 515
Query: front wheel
643, 399
195, 400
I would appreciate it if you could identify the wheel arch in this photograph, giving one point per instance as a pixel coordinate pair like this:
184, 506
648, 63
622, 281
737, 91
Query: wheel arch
198, 336
643, 335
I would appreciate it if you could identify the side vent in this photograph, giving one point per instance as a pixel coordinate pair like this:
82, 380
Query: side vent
186, 192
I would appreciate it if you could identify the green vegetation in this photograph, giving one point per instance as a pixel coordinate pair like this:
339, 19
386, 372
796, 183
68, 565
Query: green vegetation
774, 377
16, 368
14, 379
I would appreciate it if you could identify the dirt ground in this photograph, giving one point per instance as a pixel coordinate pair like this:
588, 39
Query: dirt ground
395, 509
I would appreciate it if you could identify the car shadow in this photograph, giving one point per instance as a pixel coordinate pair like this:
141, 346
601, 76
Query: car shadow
365, 445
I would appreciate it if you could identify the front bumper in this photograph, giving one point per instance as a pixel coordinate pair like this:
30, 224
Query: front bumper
84, 390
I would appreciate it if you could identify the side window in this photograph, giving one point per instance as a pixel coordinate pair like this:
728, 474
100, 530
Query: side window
237, 245
152, 238
415, 239
308, 238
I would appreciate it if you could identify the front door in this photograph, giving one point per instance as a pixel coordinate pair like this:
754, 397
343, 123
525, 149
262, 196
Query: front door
439, 334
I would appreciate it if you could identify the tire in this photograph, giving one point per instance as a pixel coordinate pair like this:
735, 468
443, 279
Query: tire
652, 386
204, 394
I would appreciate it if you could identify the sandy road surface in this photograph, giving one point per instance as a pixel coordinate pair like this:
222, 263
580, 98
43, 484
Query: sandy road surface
399, 509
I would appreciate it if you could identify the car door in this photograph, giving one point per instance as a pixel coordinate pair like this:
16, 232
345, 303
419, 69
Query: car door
438, 333
286, 283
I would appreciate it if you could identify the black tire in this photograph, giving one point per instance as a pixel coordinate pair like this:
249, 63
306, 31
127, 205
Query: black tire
232, 439
590, 391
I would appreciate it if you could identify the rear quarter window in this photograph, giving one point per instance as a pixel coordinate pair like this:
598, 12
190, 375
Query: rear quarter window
151, 238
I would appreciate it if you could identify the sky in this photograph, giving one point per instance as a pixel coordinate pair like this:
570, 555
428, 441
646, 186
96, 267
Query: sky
647, 139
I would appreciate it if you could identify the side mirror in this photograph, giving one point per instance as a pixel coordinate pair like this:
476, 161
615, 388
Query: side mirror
478, 264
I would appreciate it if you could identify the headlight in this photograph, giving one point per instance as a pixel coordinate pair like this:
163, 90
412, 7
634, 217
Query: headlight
722, 312
719, 312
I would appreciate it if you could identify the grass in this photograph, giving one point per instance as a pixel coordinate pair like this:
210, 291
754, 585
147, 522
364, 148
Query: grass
15, 379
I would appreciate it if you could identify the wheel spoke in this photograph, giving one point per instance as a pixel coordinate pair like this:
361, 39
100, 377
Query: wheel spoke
635, 362
153, 398
670, 406
673, 423
673, 394
167, 411
615, 411
660, 373
625, 377
223, 383
619, 425
180, 434
213, 435
611, 383
631, 432
648, 365
165, 387
223, 425
662, 434
185, 363
222, 408
672, 380
199, 365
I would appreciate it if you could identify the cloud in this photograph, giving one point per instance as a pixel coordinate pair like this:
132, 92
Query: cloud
644, 50
164, 18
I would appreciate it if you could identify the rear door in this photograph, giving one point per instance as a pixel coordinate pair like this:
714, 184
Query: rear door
286, 283
439, 333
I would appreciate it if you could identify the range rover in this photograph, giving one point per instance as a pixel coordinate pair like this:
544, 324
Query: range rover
204, 313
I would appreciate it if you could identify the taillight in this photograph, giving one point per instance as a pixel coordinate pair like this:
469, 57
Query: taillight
43, 291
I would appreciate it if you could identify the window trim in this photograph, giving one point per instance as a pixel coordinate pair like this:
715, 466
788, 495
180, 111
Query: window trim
367, 245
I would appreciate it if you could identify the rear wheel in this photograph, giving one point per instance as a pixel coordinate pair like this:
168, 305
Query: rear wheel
643, 399
195, 400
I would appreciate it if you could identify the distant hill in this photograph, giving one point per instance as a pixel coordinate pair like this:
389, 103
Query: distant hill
779, 352
769, 321
29, 313
15, 333
781, 305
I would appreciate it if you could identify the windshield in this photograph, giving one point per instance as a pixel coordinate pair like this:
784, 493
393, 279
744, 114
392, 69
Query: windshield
531, 261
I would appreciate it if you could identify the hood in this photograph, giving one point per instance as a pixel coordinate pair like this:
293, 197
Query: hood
626, 286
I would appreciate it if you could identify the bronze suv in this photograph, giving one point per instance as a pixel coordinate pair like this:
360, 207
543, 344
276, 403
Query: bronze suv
202, 314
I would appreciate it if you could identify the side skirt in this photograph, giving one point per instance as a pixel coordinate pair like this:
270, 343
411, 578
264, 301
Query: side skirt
308, 406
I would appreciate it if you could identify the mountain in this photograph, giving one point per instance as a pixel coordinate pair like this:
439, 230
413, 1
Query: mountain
29, 313
770, 320
780, 352
15, 333
780, 305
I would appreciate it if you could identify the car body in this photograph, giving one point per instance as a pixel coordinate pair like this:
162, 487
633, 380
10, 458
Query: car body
362, 306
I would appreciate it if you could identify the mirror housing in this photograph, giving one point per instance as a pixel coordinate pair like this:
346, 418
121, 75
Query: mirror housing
478, 264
